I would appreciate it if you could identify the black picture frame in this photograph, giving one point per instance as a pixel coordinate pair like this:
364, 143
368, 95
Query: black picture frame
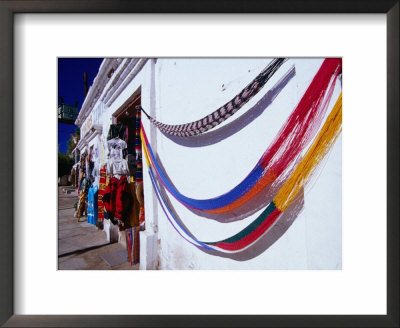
8, 200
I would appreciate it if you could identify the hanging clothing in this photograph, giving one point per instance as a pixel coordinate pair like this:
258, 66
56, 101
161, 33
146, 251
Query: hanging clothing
92, 204
82, 171
116, 143
116, 149
132, 244
117, 168
117, 198
138, 148
131, 160
141, 216
116, 131
134, 213
82, 198
140, 198
102, 187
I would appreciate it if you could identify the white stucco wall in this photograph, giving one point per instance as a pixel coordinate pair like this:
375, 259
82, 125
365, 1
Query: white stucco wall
188, 89
181, 90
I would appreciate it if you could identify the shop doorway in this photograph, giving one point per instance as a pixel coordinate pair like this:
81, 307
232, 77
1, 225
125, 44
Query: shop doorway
129, 116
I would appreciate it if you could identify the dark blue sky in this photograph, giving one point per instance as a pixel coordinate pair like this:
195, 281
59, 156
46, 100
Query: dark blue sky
71, 88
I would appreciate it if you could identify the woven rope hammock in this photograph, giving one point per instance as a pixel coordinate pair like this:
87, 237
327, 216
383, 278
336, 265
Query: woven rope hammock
299, 129
254, 231
223, 113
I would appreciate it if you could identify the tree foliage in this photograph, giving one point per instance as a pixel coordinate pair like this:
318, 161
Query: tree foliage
64, 164
73, 140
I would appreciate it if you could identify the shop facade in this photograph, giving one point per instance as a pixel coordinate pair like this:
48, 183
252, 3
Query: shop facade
183, 90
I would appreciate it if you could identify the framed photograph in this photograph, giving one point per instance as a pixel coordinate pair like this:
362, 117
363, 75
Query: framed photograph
346, 274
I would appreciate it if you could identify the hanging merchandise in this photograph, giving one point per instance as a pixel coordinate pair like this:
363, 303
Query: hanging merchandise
134, 213
92, 204
131, 160
82, 170
89, 167
117, 196
138, 148
323, 142
84, 186
117, 165
102, 187
116, 131
140, 198
221, 114
132, 244
95, 158
117, 200
293, 137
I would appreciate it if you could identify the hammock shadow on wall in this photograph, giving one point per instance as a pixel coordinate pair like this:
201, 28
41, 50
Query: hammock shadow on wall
270, 236
235, 126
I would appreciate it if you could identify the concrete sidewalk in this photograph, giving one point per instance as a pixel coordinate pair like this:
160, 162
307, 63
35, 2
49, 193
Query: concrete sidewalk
80, 244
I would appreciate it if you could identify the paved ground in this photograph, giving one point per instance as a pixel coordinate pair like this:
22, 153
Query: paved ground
80, 244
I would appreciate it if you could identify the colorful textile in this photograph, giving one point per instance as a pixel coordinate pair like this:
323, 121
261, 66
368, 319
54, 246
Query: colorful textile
140, 198
82, 198
141, 215
223, 113
117, 198
254, 231
138, 148
134, 213
102, 187
92, 204
132, 244
297, 132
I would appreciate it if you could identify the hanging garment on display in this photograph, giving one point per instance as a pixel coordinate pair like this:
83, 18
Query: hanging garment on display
116, 165
297, 132
115, 147
92, 204
116, 131
131, 160
221, 114
89, 166
117, 198
102, 188
82, 198
117, 168
134, 213
140, 198
82, 170
323, 142
138, 148
95, 172
132, 244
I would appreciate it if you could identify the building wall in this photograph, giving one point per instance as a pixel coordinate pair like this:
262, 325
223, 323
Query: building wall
188, 89
176, 91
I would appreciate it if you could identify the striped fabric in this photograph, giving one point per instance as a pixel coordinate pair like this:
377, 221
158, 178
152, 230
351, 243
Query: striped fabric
223, 113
